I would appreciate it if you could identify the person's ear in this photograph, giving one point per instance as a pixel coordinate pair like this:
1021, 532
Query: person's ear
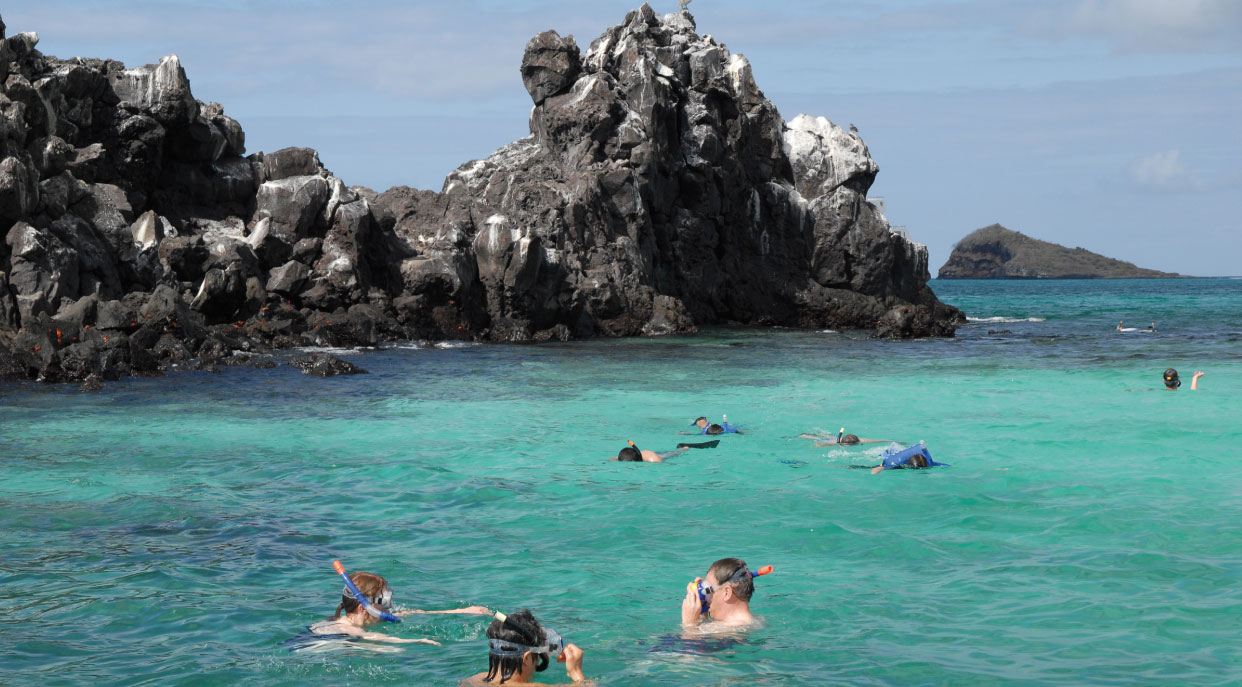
727, 590
525, 657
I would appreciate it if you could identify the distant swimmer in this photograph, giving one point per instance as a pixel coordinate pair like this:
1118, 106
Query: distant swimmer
633, 454
367, 599
1152, 327
518, 647
1121, 327
706, 427
842, 439
914, 457
721, 596
1172, 381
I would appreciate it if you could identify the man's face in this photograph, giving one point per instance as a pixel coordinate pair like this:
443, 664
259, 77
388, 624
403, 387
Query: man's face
700, 423
717, 595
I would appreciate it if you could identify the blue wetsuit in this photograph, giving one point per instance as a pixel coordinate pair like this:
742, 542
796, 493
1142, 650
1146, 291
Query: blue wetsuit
728, 429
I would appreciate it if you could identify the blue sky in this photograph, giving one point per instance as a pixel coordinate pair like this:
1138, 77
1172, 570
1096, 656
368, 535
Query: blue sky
1108, 124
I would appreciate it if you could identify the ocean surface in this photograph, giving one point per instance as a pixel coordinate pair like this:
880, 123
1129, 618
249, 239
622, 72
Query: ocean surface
180, 531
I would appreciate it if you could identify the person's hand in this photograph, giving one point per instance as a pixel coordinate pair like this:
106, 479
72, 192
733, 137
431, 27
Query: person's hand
572, 658
691, 607
1197, 375
421, 641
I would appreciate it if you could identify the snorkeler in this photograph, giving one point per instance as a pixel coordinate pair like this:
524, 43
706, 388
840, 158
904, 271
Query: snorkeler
706, 427
518, 647
633, 454
1172, 381
914, 457
367, 599
842, 439
723, 595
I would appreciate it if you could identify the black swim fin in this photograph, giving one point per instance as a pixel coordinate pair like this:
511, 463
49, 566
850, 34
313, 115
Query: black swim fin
705, 444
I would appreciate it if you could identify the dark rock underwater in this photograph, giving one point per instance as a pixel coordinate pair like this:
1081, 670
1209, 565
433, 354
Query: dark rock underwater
659, 191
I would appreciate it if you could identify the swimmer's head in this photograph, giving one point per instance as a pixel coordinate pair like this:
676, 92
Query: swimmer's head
729, 572
374, 587
849, 440
700, 422
1171, 379
917, 461
715, 429
516, 631
630, 454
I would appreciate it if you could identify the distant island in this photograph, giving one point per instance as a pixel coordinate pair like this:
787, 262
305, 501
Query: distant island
995, 252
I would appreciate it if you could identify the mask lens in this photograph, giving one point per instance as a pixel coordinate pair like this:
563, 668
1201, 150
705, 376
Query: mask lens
385, 599
555, 645
705, 594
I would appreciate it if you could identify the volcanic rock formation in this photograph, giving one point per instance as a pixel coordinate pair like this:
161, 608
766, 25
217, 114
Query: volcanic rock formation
995, 252
658, 191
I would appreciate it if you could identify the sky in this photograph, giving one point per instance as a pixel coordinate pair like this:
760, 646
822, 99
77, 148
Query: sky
1114, 125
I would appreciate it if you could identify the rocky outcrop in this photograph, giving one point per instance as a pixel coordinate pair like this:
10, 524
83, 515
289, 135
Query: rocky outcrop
995, 252
659, 191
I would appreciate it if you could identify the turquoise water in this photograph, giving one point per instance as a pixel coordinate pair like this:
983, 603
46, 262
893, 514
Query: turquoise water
176, 531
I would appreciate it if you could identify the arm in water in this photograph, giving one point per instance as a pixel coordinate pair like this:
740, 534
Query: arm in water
469, 610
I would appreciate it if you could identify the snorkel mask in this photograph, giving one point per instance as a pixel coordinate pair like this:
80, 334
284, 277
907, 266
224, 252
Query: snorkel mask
705, 592
384, 600
550, 649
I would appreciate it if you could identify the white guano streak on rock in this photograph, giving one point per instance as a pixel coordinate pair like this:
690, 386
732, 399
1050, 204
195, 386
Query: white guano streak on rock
493, 225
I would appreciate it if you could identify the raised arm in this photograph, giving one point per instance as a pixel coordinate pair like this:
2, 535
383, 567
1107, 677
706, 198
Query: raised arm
1194, 381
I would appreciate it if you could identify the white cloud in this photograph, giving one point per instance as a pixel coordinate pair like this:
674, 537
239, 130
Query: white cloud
1160, 172
1144, 25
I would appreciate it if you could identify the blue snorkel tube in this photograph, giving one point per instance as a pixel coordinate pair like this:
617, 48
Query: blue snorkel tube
361, 598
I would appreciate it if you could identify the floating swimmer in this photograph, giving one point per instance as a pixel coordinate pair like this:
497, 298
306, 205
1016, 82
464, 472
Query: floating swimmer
1122, 328
842, 439
1172, 381
519, 647
912, 457
633, 454
706, 427
723, 595
367, 599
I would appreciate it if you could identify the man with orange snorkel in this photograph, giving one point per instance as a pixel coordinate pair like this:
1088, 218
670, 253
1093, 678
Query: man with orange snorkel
722, 596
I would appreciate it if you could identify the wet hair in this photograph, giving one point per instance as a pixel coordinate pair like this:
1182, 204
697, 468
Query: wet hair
849, 439
369, 584
522, 629
715, 429
726, 568
630, 454
1171, 379
699, 419
916, 461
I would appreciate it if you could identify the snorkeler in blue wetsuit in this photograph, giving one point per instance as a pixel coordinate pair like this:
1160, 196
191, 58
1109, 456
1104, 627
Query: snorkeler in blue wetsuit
914, 457
706, 427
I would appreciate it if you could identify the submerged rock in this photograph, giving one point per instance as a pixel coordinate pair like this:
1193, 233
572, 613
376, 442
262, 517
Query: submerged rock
324, 365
